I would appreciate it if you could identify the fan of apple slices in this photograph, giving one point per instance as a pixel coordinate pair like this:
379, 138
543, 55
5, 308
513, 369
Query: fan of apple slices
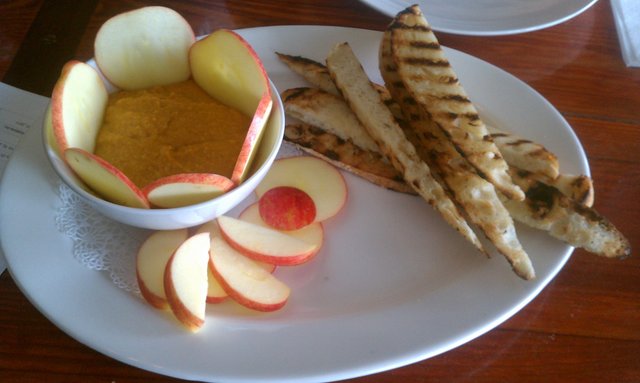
140, 49
236, 257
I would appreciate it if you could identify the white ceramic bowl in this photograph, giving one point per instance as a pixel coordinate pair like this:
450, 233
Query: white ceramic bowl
187, 216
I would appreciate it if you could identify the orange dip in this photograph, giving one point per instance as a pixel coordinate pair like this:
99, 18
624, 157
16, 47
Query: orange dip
166, 130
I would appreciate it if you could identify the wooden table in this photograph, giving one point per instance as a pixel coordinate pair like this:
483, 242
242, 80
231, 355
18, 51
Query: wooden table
583, 327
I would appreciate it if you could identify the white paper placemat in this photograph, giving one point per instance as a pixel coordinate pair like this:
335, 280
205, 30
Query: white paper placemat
19, 110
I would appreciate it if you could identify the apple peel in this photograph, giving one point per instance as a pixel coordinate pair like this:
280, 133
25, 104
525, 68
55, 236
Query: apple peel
286, 208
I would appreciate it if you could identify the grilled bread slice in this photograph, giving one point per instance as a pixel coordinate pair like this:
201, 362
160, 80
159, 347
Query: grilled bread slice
327, 112
370, 165
432, 82
312, 71
476, 196
365, 101
525, 154
519, 152
317, 75
546, 208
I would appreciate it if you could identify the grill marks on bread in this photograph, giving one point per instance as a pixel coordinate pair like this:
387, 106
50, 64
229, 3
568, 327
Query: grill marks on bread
370, 165
546, 208
525, 154
366, 103
476, 196
432, 82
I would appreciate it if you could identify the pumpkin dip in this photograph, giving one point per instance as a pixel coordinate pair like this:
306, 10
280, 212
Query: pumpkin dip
167, 130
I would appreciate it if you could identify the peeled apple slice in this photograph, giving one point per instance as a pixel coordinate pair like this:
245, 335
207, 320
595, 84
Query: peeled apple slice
144, 47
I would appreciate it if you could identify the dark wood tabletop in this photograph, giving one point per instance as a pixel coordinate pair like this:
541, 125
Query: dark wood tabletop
583, 327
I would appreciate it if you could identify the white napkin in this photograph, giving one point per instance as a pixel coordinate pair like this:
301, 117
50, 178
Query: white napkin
626, 14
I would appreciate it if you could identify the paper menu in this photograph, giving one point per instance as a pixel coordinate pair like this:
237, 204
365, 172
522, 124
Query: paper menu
19, 111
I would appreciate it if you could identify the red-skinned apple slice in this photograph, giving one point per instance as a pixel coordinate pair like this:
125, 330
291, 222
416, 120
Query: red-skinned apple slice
229, 70
151, 262
244, 280
78, 102
312, 233
105, 179
265, 244
215, 292
185, 281
145, 47
186, 189
286, 208
213, 229
321, 180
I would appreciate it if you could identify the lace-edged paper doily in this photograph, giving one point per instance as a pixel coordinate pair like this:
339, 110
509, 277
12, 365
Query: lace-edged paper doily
102, 244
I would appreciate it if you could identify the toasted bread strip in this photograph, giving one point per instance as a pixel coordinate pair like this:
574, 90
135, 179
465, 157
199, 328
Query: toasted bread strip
353, 83
317, 75
546, 208
328, 112
525, 154
476, 196
432, 82
370, 165
312, 71
519, 152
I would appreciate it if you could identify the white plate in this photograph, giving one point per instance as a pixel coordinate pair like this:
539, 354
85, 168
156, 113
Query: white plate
393, 284
489, 17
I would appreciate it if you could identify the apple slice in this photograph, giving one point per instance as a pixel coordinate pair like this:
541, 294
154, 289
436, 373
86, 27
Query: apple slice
286, 208
151, 262
185, 281
186, 189
229, 70
265, 244
244, 280
215, 292
312, 233
145, 47
321, 180
78, 102
105, 179
213, 229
